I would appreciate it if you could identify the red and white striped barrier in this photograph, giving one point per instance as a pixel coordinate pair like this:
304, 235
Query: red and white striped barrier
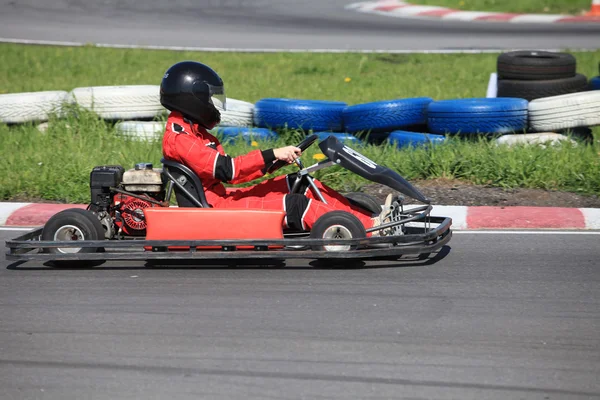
400, 9
463, 218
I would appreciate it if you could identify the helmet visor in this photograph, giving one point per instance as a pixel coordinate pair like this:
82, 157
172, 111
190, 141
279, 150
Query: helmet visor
217, 97
215, 94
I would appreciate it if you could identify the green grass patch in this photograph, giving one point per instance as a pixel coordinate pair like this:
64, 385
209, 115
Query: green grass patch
572, 7
252, 76
55, 165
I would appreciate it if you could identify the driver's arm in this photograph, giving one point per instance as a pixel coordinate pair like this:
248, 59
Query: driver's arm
225, 164
209, 161
242, 168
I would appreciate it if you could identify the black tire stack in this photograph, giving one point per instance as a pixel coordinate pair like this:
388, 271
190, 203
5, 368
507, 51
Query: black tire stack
532, 74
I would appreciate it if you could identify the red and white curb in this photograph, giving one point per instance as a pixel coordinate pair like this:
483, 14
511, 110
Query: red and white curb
400, 9
31, 214
463, 218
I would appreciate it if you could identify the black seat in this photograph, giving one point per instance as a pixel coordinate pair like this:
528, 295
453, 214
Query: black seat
188, 187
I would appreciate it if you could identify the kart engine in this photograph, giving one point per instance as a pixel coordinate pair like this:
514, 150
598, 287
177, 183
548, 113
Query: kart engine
120, 197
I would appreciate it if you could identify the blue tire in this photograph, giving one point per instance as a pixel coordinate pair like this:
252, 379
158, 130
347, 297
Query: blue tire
386, 115
477, 116
402, 139
229, 134
342, 137
595, 83
318, 115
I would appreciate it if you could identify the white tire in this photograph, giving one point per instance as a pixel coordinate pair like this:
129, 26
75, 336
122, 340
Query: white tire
565, 111
239, 113
120, 102
31, 106
141, 130
534, 139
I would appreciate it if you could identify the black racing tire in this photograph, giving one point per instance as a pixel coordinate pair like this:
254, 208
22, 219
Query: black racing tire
337, 225
364, 201
535, 65
80, 225
531, 90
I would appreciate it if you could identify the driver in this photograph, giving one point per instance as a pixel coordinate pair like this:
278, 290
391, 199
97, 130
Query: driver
193, 92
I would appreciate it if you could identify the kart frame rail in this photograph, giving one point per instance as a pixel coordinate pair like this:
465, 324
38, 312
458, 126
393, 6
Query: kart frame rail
417, 240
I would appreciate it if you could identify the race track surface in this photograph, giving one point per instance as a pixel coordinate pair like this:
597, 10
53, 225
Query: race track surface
269, 24
494, 316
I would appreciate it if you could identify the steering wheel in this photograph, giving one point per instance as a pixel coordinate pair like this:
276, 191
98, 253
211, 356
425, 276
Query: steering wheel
303, 145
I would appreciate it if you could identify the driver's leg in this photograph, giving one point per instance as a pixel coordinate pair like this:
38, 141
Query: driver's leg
283, 184
302, 209
275, 185
301, 212
335, 199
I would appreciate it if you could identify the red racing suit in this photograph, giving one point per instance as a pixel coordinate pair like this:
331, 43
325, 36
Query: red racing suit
193, 146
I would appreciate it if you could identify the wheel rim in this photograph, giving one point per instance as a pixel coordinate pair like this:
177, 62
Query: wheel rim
337, 232
69, 233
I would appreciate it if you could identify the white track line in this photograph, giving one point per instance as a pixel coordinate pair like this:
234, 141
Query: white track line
262, 50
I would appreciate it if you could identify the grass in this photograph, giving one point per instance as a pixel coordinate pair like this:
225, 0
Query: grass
252, 76
56, 165
572, 7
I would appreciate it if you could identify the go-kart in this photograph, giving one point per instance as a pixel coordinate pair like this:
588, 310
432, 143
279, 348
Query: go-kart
129, 217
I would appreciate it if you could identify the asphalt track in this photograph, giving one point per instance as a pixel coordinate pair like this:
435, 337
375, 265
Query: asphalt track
269, 25
493, 315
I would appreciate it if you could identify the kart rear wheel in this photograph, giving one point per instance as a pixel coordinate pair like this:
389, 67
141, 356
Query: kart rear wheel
364, 201
337, 225
73, 224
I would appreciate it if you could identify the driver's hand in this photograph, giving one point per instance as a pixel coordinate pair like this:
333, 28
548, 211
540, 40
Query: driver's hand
287, 154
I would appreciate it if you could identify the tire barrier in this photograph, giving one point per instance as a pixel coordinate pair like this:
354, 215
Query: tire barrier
477, 116
230, 134
532, 75
565, 111
120, 102
535, 65
342, 137
541, 138
404, 139
531, 90
239, 113
140, 130
316, 115
31, 106
386, 116
540, 76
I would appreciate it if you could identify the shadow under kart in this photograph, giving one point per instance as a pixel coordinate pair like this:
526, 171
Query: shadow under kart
129, 218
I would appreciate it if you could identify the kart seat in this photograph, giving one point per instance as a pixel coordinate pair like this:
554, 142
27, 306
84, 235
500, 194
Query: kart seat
189, 191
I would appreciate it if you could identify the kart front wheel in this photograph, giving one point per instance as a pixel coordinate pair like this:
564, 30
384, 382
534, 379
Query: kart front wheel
364, 201
337, 225
73, 224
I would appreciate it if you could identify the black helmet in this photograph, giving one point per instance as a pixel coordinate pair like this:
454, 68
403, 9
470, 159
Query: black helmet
195, 90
